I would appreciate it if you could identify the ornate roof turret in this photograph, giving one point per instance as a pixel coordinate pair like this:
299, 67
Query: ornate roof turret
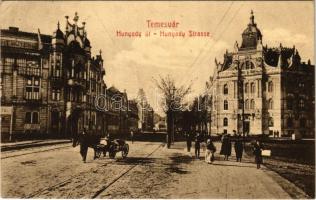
58, 34
251, 34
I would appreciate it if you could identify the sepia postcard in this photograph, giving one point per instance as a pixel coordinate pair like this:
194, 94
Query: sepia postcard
157, 99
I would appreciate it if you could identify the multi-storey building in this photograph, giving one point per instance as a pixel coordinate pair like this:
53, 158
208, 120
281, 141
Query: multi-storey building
117, 111
133, 115
51, 82
258, 89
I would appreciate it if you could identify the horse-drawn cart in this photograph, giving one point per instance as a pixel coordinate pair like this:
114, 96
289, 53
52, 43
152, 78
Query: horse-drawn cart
113, 147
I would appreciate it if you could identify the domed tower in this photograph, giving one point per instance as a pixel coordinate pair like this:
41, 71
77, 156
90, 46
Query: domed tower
251, 36
58, 44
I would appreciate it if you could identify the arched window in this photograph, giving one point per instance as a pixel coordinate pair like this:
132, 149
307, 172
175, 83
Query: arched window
247, 104
225, 122
252, 104
225, 105
270, 86
302, 123
290, 122
290, 103
270, 104
246, 87
225, 89
271, 122
252, 88
301, 104
248, 65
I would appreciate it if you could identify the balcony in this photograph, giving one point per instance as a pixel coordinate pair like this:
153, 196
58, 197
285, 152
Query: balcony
32, 127
57, 81
33, 100
29, 71
77, 82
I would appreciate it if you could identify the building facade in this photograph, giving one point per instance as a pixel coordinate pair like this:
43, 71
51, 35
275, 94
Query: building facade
117, 120
51, 82
262, 90
133, 115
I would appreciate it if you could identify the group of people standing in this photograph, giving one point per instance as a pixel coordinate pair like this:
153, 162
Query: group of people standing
226, 148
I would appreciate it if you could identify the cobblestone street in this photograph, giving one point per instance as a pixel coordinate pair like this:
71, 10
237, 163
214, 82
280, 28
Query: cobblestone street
150, 171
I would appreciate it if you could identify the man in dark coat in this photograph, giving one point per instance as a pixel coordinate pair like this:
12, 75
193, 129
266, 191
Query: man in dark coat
257, 151
197, 145
226, 148
83, 137
189, 141
239, 148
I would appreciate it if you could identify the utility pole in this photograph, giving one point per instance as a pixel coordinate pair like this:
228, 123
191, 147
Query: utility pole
241, 98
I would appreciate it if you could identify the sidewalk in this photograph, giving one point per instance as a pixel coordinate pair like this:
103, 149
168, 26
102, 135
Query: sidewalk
233, 179
31, 143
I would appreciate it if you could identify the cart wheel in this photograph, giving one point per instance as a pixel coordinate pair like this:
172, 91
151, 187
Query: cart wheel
112, 154
125, 151
97, 152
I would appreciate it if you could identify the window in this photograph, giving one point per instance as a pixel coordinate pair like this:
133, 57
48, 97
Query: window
290, 104
270, 86
225, 122
56, 95
240, 104
21, 62
246, 87
247, 104
290, 122
252, 88
225, 105
35, 118
56, 70
31, 118
9, 61
55, 119
301, 104
270, 104
302, 123
252, 104
248, 65
271, 122
301, 85
225, 88
28, 118
32, 88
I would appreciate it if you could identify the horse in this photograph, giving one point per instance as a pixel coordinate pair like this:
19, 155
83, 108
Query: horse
86, 141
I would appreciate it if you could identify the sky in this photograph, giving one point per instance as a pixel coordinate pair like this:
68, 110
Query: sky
133, 63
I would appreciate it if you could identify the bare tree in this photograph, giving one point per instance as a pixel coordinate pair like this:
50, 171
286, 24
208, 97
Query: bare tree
173, 101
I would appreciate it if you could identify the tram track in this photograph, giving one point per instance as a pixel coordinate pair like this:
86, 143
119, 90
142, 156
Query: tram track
33, 152
68, 180
122, 175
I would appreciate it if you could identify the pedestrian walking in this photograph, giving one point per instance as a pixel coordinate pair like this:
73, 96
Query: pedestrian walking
257, 151
197, 145
83, 145
189, 141
226, 148
239, 148
210, 150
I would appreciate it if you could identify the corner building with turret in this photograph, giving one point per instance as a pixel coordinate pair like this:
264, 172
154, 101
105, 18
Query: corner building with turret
257, 89
50, 83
